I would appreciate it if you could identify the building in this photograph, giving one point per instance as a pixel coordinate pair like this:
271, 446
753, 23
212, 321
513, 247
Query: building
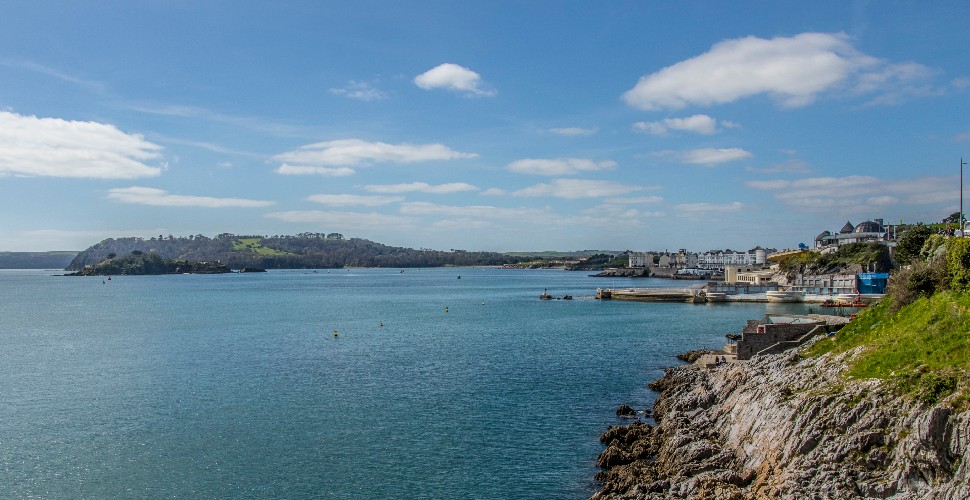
747, 275
719, 259
870, 230
825, 284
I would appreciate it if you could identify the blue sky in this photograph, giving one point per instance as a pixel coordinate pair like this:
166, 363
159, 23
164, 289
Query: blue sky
506, 126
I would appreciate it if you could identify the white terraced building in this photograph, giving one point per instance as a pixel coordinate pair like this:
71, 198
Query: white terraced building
716, 259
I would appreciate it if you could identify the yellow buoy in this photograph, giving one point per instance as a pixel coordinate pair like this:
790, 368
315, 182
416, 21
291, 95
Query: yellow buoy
446, 308
335, 333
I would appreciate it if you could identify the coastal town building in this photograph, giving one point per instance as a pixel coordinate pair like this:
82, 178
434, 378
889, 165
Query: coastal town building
825, 284
870, 230
710, 260
747, 275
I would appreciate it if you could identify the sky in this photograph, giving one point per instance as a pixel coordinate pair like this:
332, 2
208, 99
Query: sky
492, 125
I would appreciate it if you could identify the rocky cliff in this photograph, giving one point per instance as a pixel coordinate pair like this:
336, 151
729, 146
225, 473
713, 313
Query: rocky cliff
785, 427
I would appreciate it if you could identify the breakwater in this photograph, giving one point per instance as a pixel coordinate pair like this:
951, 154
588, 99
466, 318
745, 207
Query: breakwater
780, 426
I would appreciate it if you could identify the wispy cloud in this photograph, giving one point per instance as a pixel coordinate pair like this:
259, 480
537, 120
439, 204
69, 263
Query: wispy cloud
559, 166
473, 211
709, 207
161, 198
792, 70
698, 124
335, 158
92, 85
287, 169
454, 78
254, 124
422, 187
704, 156
790, 166
52, 147
361, 91
347, 200
574, 131
578, 188
858, 193
343, 220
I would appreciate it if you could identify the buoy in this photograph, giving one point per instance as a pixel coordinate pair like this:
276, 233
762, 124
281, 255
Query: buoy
459, 276
382, 324
446, 308
335, 333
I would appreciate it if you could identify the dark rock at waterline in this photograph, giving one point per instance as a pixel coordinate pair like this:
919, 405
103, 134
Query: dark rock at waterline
252, 270
691, 356
625, 411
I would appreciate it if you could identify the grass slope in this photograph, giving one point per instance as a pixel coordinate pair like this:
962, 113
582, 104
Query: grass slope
254, 245
924, 348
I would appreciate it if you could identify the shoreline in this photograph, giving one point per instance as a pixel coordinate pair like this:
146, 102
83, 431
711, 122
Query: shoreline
779, 426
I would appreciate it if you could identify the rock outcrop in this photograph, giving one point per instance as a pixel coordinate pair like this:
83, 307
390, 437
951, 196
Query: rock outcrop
784, 427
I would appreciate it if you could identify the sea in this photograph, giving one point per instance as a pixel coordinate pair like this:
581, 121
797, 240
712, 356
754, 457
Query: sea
351, 383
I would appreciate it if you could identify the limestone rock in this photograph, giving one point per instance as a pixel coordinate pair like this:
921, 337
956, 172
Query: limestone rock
784, 427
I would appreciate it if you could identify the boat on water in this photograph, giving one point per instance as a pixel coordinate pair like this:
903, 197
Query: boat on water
785, 296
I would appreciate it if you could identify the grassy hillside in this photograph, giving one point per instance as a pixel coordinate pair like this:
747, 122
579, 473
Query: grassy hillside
924, 348
918, 338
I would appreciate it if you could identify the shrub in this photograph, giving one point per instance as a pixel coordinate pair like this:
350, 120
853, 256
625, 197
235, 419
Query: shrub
921, 279
958, 259
910, 243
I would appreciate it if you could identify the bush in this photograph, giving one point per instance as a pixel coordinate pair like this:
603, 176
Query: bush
921, 279
958, 259
910, 243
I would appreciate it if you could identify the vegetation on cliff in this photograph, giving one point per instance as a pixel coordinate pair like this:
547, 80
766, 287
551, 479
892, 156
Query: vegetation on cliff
140, 263
305, 250
918, 338
852, 257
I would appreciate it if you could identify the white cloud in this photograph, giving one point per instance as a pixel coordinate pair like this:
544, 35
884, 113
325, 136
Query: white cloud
494, 192
343, 200
791, 166
422, 187
52, 147
693, 209
698, 124
859, 193
476, 211
705, 156
792, 70
577, 188
638, 200
335, 158
161, 198
962, 137
574, 131
559, 166
343, 219
287, 169
455, 78
361, 91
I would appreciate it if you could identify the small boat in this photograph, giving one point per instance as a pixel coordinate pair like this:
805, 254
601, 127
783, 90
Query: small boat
545, 295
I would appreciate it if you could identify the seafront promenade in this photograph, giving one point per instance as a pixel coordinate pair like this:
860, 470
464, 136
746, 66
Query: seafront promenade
699, 295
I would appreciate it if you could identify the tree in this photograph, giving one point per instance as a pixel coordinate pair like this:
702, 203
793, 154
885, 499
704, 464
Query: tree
911, 242
953, 218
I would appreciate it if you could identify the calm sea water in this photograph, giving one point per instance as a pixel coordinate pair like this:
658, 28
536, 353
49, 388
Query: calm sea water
235, 386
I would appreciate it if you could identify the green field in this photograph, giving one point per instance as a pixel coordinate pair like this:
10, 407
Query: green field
254, 245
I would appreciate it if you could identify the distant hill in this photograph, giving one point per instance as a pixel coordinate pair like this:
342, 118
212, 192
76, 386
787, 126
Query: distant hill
303, 251
140, 263
35, 260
